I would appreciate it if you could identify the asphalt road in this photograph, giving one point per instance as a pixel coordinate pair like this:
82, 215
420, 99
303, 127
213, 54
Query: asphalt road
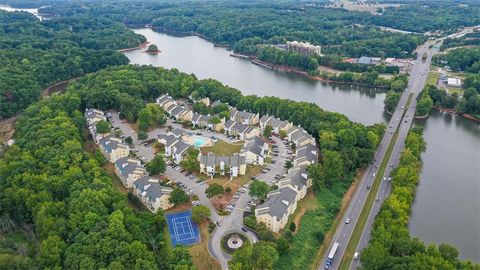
401, 122
416, 84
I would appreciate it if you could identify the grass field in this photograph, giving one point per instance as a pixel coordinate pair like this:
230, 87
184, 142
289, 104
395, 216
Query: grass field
362, 220
315, 223
223, 148
200, 256
432, 78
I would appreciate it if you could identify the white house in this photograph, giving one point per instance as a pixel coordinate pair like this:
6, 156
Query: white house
93, 116
299, 136
243, 132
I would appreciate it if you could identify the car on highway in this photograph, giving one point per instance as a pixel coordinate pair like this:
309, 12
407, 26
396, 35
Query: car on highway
244, 229
355, 256
347, 221
368, 187
391, 164
219, 223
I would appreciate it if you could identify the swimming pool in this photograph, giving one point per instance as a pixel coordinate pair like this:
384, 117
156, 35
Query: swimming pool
199, 141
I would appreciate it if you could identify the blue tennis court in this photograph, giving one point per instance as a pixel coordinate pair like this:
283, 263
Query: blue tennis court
183, 230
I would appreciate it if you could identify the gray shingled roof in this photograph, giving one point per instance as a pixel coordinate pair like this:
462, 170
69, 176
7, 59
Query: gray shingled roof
254, 145
163, 98
178, 132
236, 113
176, 110
169, 139
211, 160
277, 202
127, 166
109, 143
92, 113
309, 152
180, 147
150, 188
297, 177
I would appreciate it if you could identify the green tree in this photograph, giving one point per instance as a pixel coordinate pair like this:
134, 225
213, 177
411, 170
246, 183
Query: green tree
103, 127
391, 101
178, 196
214, 190
267, 132
258, 189
261, 255
282, 133
152, 48
190, 161
201, 213
142, 135
288, 164
283, 246
292, 227
51, 252
157, 165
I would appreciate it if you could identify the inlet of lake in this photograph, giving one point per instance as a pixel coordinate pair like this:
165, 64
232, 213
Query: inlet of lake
447, 202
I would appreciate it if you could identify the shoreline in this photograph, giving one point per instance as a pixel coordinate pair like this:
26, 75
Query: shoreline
253, 58
455, 112
141, 46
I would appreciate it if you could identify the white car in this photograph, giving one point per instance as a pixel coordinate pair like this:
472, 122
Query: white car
347, 221
355, 256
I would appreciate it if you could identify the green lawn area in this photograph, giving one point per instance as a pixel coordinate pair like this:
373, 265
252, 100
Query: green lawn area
314, 225
362, 220
432, 78
223, 148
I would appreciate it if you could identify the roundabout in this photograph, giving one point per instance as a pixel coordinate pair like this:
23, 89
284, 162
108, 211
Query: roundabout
233, 241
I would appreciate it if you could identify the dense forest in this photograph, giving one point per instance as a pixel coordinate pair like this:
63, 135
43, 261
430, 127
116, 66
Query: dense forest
226, 22
391, 246
462, 59
80, 221
35, 54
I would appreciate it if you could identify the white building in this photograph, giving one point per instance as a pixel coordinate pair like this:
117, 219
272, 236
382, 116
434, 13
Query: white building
129, 170
304, 48
276, 209
113, 148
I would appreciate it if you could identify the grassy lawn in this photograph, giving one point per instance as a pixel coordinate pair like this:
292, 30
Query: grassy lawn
314, 224
432, 78
458, 91
304, 205
200, 256
362, 220
223, 148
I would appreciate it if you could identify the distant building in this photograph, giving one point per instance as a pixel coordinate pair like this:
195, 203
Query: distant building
93, 116
275, 123
455, 82
203, 121
245, 118
364, 60
304, 48
152, 194
212, 165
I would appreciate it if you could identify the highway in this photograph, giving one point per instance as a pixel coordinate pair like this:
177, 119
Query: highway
397, 122
400, 122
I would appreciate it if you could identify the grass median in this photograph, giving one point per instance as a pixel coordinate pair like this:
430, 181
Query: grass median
362, 220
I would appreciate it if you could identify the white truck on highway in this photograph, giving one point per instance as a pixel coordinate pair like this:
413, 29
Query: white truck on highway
331, 255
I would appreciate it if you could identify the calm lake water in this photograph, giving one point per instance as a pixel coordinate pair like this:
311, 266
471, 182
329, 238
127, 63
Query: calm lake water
192, 54
447, 206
